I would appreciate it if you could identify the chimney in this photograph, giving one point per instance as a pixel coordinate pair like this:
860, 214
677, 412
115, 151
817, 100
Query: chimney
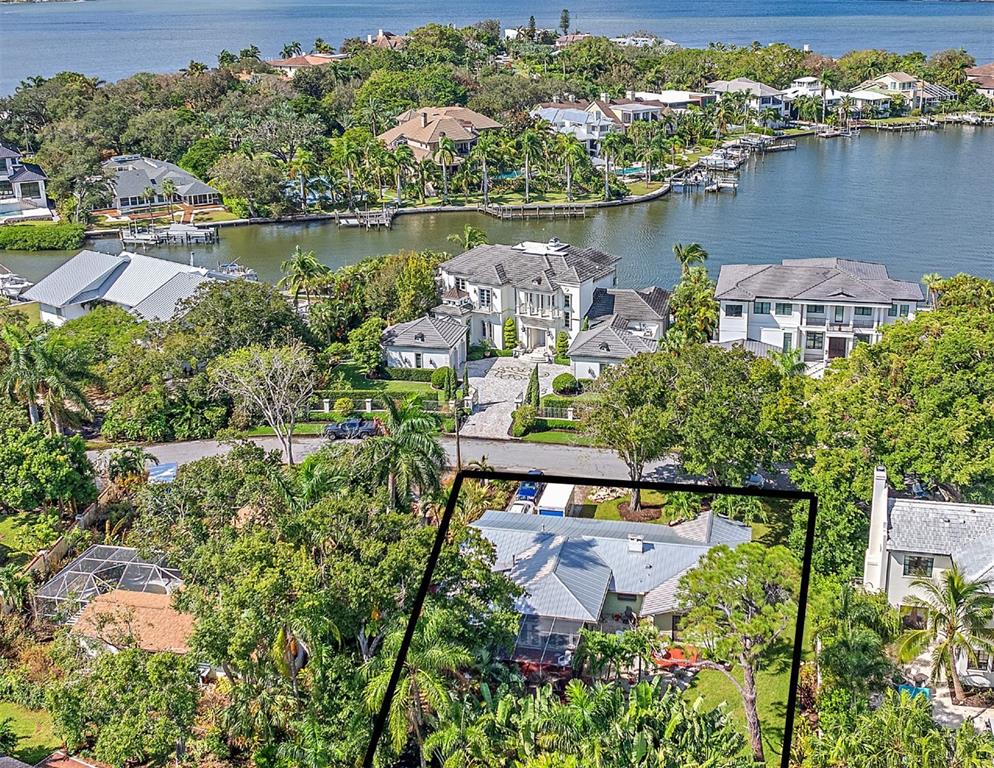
874, 564
379, 33
604, 96
636, 543
424, 118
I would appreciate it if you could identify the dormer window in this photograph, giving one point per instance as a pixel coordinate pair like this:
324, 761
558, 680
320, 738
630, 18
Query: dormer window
605, 347
419, 337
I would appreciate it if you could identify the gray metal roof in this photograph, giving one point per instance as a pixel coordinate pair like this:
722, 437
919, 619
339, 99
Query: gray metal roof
742, 85
161, 303
609, 342
965, 532
427, 332
567, 565
648, 304
825, 280
536, 266
85, 273
28, 172
134, 174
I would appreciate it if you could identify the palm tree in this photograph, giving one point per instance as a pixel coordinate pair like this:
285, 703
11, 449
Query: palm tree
37, 371
14, 586
149, 200
484, 152
320, 46
426, 171
688, 256
470, 237
445, 155
300, 273
408, 453
571, 153
612, 148
291, 49
303, 165
788, 362
958, 612
531, 143
401, 162
423, 688
932, 281
829, 82
348, 154
169, 192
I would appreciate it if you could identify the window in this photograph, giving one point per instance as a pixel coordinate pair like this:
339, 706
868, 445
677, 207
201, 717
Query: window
733, 310
784, 309
892, 310
816, 309
461, 283
486, 297
840, 314
418, 360
788, 342
567, 317
485, 329
914, 565
567, 298
814, 341
905, 310
982, 661
762, 308
863, 311
624, 597
861, 338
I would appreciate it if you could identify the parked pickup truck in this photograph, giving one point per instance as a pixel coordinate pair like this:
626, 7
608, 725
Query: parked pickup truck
350, 429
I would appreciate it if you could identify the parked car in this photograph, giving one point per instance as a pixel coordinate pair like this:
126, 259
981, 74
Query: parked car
530, 489
350, 429
522, 508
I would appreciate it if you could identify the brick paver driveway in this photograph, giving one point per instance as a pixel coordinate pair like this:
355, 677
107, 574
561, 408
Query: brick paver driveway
499, 381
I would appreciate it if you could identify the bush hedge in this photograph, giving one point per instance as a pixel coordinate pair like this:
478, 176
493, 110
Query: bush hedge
439, 376
358, 395
410, 374
523, 420
41, 237
344, 406
558, 401
544, 425
565, 384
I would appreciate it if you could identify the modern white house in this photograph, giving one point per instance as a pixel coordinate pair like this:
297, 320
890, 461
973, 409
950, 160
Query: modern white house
134, 175
912, 538
916, 92
589, 128
149, 288
428, 342
600, 574
760, 96
677, 101
621, 323
545, 287
862, 102
822, 306
22, 188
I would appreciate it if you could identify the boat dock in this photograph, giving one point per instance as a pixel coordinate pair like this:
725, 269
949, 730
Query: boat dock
366, 219
535, 211
174, 234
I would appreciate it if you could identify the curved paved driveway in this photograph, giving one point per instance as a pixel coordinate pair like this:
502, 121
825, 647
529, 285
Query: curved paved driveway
499, 381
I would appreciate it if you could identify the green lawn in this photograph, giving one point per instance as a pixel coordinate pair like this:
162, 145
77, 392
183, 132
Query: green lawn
16, 540
354, 379
35, 729
556, 437
210, 216
608, 510
772, 689
309, 428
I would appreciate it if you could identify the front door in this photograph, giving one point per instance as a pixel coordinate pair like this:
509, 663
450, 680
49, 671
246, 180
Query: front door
836, 347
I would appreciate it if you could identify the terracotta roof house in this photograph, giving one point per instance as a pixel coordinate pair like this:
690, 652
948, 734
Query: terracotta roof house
292, 65
427, 342
983, 76
116, 617
566, 40
388, 40
422, 130
22, 188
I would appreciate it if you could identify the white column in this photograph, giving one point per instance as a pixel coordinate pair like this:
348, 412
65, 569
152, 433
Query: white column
875, 562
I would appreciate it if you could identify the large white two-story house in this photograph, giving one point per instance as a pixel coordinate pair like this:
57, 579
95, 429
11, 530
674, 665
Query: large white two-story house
545, 287
22, 188
916, 92
822, 306
912, 538
759, 96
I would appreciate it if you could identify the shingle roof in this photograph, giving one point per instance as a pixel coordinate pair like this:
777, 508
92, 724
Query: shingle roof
427, 332
6, 152
156, 625
134, 174
567, 565
962, 531
606, 340
647, 305
827, 279
28, 172
983, 70
457, 123
538, 266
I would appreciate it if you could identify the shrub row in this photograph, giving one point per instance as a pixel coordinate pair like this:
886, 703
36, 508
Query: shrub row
358, 395
544, 425
408, 374
41, 237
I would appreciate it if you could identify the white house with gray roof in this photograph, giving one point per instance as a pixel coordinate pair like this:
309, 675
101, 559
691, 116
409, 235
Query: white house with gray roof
912, 538
148, 287
22, 188
134, 174
579, 572
545, 287
820, 306
759, 96
621, 322
428, 342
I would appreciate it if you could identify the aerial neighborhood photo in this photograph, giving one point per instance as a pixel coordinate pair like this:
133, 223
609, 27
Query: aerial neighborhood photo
396, 386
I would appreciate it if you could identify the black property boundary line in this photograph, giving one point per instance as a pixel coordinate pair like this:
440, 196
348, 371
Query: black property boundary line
473, 474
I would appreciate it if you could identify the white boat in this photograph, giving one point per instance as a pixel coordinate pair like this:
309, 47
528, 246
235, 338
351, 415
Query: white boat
234, 269
12, 285
829, 133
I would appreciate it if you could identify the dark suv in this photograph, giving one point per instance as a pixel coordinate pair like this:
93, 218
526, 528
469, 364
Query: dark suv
350, 429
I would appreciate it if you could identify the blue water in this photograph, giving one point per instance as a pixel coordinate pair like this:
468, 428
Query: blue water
114, 38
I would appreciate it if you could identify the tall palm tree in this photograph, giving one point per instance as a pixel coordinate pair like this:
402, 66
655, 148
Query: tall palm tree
169, 192
958, 612
38, 372
291, 49
932, 281
300, 273
445, 155
348, 154
302, 166
470, 237
613, 147
149, 200
401, 162
426, 678
484, 153
531, 143
571, 153
426, 172
829, 82
688, 256
408, 453
320, 46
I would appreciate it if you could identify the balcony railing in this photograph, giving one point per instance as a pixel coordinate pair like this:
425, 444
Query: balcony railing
531, 310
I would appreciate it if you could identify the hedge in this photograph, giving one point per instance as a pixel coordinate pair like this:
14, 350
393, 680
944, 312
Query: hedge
565, 384
408, 374
358, 395
41, 237
439, 376
558, 401
544, 425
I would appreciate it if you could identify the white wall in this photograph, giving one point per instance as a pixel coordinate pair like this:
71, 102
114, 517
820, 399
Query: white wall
586, 367
404, 357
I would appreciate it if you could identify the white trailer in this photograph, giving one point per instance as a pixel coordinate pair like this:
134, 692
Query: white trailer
557, 500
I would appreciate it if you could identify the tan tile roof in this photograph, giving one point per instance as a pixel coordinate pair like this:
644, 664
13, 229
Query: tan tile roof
157, 626
60, 759
984, 70
429, 124
305, 60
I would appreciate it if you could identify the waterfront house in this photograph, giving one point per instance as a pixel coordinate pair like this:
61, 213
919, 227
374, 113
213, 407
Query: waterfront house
574, 119
291, 66
621, 323
760, 96
911, 538
134, 174
983, 77
427, 342
387, 40
862, 103
564, 41
916, 92
674, 100
545, 287
423, 129
643, 41
149, 288
22, 188
598, 574
821, 306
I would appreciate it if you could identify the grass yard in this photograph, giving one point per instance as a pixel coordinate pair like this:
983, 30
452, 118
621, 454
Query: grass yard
352, 378
772, 689
556, 437
609, 510
208, 217
17, 544
38, 739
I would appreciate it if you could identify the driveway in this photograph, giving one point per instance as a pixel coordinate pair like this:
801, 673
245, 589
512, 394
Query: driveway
499, 381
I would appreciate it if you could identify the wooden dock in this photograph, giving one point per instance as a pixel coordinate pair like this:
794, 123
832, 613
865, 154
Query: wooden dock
535, 211
174, 234
366, 219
